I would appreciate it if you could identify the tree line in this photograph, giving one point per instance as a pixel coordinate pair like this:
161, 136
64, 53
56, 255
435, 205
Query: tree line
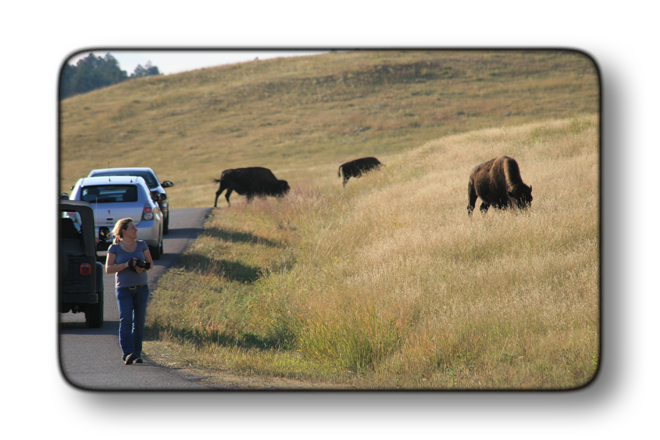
91, 73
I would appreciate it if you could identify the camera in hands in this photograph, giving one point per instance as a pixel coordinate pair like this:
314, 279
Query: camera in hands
134, 262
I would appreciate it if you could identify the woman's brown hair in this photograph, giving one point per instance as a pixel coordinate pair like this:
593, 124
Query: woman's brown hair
119, 229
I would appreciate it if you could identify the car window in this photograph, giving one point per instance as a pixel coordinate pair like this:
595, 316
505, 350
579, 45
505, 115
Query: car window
75, 218
72, 240
148, 177
110, 193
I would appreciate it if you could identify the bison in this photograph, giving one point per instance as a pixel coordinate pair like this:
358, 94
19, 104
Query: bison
357, 167
498, 183
252, 181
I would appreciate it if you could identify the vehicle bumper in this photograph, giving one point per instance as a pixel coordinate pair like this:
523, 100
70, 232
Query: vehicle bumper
148, 230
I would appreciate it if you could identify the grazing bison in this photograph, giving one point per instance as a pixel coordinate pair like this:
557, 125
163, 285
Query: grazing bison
357, 167
253, 181
498, 183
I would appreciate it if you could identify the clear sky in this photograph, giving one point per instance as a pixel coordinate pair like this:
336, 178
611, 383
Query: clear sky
182, 60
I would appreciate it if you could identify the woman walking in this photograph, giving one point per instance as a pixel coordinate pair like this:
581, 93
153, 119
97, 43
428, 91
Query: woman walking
129, 259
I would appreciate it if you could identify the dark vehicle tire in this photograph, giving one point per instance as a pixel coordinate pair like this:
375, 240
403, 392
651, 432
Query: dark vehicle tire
166, 228
157, 251
94, 312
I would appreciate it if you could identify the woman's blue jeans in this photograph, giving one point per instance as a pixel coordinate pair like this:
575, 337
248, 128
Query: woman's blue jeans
132, 314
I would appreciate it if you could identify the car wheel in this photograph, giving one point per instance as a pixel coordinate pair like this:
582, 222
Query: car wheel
166, 228
156, 251
94, 313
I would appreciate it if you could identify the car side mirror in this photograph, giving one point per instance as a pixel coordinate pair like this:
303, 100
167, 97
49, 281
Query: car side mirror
167, 184
158, 197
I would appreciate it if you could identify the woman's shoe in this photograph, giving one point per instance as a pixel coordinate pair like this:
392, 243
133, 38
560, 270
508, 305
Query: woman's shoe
130, 358
139, 360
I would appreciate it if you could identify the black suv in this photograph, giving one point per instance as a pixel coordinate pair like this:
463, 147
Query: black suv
81, 275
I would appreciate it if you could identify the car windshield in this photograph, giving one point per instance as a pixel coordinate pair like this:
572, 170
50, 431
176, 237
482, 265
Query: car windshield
147, 176
110, 193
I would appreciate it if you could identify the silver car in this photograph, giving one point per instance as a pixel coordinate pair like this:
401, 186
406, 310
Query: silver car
117, 197
155, 186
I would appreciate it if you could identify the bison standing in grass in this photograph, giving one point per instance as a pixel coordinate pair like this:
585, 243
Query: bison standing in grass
250, 182
357, 167
498, 183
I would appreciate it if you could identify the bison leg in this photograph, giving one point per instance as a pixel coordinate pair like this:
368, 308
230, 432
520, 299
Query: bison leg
343, 184
484, 207
472, 198
227, 194
503, 203
218, 192
249, 198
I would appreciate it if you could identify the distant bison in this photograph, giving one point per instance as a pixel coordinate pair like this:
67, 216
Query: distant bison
250, 182
498, 183
357, 167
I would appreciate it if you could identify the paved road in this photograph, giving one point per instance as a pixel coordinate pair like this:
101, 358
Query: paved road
91, 358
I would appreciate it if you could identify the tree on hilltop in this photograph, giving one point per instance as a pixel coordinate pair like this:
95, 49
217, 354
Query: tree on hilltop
147, 70
91, 73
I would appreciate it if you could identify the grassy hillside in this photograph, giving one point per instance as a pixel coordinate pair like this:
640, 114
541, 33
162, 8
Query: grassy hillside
304, 116
386, 283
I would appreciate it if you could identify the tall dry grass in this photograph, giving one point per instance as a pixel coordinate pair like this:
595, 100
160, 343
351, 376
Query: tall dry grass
387, 283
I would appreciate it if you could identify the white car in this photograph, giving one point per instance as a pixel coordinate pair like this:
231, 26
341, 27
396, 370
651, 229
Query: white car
117, 197
155, 186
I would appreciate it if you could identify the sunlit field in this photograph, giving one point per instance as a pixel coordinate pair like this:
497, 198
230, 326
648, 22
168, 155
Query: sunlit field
389, 284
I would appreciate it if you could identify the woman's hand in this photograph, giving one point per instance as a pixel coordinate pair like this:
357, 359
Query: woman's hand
148, 259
